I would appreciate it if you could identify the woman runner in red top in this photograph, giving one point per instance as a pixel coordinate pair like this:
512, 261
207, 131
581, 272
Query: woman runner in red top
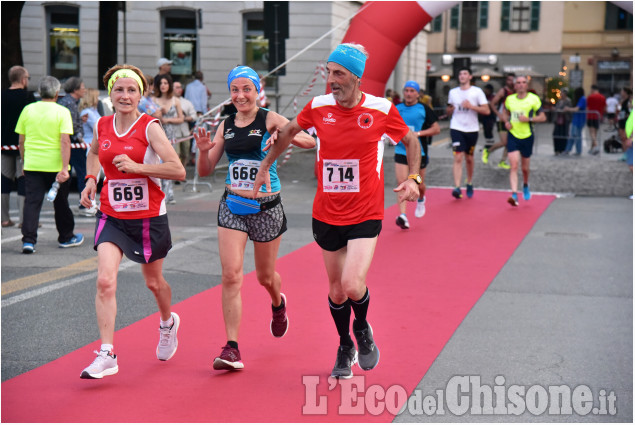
135, 154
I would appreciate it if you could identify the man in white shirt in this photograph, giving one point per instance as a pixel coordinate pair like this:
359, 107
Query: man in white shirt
464, 104
197, 93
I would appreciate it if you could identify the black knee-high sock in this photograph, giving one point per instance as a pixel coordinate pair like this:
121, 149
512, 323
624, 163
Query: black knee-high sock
360, 308
342, 317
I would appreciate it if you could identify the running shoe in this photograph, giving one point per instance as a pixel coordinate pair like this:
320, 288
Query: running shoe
168, 342
485, 156
526, 193
420, 211
368, 351
28, 248
104, 364
457, 193
171, 201
229, 359
346, 358
402, 221
279, 320
469, 189
76, 240
513, 200
504, 165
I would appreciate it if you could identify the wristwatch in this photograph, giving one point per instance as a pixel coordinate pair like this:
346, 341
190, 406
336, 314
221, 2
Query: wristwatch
416, 178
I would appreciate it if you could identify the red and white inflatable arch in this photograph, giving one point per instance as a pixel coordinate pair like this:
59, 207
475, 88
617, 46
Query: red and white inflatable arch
385, 28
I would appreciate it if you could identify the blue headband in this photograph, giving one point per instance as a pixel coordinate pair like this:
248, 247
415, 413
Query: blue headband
412, 85
350, 58
244, 72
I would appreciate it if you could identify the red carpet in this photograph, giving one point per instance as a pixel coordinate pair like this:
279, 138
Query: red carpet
422, 284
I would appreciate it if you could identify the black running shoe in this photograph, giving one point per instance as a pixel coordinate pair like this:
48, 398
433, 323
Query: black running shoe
346, 358
368, 351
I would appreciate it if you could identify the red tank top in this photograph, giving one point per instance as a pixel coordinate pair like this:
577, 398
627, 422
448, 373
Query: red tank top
124, 195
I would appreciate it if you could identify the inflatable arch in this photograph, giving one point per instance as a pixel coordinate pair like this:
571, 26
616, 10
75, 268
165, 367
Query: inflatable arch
385, 28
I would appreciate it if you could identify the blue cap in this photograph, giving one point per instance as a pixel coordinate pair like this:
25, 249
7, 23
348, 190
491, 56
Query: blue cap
412, 85
244, 72
350, 58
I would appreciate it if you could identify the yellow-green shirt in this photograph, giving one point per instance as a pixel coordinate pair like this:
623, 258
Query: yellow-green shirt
629, 125
528, 107
42, 124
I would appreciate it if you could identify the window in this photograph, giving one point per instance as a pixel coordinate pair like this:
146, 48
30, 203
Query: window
617, 18
63, 31
520, 16
256, 45
180, 41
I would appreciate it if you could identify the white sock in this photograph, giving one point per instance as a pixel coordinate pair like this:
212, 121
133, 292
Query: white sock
106, 347
167, 323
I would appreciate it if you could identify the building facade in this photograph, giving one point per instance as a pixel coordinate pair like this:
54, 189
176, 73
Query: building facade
85, 38
597, 45
538, 39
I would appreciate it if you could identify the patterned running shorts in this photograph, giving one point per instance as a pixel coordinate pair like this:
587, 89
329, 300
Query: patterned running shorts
264, 226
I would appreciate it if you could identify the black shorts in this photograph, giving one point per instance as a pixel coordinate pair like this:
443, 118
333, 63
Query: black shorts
142, 240
402, 159
592, 123
524, 146
332, 238
463, 142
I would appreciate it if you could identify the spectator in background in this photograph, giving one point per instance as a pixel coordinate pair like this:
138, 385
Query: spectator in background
165, 66
577, 123
75, 90
425, 98
189, 116
612, 106
90, 115
14, 99
146, 104
596, 105
198, 93
561, 123
45, 128
171, 118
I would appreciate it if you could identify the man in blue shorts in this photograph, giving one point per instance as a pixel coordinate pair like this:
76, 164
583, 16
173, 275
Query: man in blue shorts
522, 110
464, 104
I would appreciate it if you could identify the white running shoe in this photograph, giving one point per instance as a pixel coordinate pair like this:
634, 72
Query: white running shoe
420, 211
168, 342
104, 364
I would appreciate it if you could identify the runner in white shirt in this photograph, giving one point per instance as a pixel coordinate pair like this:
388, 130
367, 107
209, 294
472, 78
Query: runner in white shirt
464, 104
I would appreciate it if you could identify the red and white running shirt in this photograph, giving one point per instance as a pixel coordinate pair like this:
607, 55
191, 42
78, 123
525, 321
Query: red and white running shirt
350, 154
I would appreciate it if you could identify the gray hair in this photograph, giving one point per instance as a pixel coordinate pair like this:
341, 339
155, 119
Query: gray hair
357, 47
72, 84
49, 87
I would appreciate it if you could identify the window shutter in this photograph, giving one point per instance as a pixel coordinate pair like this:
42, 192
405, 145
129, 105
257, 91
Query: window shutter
505, 16
483, 14
454, 17
535, 15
